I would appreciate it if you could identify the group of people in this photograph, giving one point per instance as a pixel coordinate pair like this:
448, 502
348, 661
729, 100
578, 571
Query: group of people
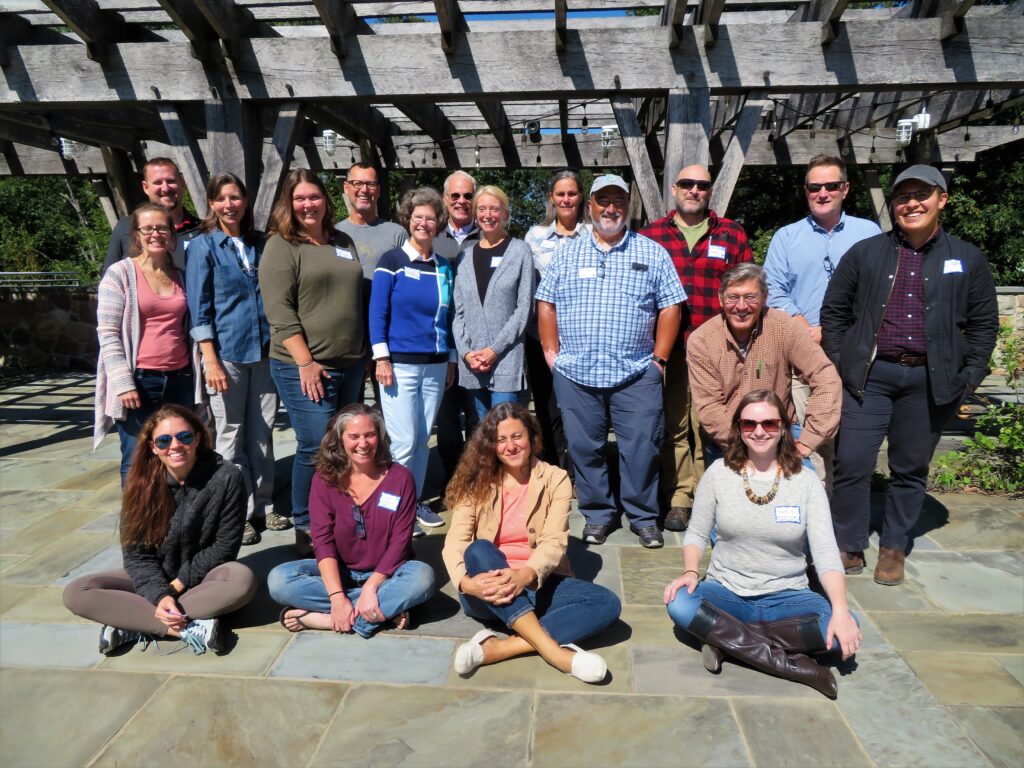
742, 400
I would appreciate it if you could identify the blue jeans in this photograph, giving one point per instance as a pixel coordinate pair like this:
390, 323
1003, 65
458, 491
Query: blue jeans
569, 609
771, 607
299, 584
309, 420
155, 388
410, 406
485, 399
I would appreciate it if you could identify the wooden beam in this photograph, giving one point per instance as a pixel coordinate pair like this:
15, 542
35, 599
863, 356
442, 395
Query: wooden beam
736, 152
187, 17
277, 159
234, 138
497, 122
634, 143
452, 22
232, 23
809, 107
687, 127
358, 123
186, 154
708, 14
339, 17
673, 16
433, 121
878, 203
573, 159
561, 30
866, 56
826, 12
123, 186
106, 198
97, 28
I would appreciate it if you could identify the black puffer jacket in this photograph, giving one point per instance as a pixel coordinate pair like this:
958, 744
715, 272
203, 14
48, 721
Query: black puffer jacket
205, 531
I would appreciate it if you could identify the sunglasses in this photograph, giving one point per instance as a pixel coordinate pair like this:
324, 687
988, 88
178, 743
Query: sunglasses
771, 426
453, 196
357, 515
830, 268
831, 186
163, 442
700, 184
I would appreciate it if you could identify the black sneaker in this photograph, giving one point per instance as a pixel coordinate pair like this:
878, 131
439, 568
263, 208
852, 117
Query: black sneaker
596, 534
650, 536
112, 638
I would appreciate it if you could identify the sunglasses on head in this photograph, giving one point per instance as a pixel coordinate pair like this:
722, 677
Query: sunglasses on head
163, 442
771, 426
831, 186
700, 184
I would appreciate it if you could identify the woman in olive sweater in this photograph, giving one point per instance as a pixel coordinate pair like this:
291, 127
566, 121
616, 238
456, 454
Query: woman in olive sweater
311, 281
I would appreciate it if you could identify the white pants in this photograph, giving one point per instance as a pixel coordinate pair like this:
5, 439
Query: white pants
824, 458
410, 406
244, 417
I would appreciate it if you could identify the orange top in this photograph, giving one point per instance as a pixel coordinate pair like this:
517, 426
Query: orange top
512, 539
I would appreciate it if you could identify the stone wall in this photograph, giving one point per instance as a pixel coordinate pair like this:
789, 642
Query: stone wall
48, 329
1011, 314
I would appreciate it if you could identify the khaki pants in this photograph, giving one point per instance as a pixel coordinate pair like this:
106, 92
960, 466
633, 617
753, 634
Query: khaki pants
682, 454
824, 458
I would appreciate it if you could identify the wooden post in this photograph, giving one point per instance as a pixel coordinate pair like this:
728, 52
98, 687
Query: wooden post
234, 138
187, 155
878, 199
119, 174
687, 124
735, 154
277, 157
102, 191
636, 149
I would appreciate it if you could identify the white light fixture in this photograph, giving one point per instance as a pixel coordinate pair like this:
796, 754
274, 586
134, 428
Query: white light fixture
68, 148
330, 142
907, 127
609, 133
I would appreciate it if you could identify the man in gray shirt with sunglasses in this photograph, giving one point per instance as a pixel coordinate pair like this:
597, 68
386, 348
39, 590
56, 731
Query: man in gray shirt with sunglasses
802, 257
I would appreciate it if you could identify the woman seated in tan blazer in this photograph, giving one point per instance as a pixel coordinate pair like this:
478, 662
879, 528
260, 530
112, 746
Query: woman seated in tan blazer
506, 552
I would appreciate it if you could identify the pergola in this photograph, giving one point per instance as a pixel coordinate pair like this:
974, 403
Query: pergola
251, 86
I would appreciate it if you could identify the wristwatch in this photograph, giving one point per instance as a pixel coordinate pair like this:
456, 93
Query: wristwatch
660, 361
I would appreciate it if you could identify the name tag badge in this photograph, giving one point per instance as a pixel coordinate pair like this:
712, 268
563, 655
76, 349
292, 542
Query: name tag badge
389, 501
341, 253
787, 515
549, 244
716, 252
412, 272
952, 265
495, 262
639, 267
588, 272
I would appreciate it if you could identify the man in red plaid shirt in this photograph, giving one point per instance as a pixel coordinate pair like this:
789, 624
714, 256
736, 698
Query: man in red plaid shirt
702, 245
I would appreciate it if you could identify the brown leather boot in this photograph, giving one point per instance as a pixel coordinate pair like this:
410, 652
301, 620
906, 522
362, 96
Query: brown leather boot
853, 562
677, 519
798, 634
889, 570
721, 631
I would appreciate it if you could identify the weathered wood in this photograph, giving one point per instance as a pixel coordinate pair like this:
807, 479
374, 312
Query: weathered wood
561, 30
359, 124
106, 198
878, 203
633, 142
736, 152
573, 158
97, 28
187, 155
341, 21
123, 184
277, 159
233, 138
436, 125
673, 16
687, 126
497, 122
232, 23
864, 56
809, 108
452, 23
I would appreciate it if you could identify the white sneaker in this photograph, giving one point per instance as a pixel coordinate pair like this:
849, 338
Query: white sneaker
202, 635
469, 656
587, 666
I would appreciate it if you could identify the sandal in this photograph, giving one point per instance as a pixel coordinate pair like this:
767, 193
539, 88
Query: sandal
298, 618
401, 621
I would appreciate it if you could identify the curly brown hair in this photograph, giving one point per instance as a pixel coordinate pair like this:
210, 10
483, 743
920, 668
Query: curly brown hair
282, 217
147, 504
332, 462
786, 454
479, 470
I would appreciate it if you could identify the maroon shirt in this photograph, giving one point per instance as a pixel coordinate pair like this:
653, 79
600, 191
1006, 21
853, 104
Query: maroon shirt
903, 326
388, 516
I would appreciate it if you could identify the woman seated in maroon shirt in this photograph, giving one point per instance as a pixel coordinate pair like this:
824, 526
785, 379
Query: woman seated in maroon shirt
362, 507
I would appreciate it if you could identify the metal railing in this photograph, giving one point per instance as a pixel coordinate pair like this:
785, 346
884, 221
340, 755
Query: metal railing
28, 280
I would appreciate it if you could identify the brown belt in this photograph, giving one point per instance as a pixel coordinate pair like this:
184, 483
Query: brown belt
909, 360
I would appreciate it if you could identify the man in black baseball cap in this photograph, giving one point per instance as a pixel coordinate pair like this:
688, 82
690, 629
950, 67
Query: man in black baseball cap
910, 320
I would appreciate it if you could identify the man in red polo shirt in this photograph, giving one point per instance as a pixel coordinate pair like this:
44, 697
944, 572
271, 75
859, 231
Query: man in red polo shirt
702, 245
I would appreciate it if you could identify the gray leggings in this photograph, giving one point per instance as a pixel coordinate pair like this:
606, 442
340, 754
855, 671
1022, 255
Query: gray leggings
109, 598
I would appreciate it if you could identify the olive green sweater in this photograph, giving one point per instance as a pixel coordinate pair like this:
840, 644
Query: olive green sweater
315, 290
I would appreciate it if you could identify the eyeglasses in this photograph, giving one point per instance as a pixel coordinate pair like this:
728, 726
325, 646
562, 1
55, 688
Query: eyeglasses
731, 299
831, 186
700, 184
163, 442
771, 426
357, 515
423, 220
359, 184
920, 196
161, 228
830, 268
456, 196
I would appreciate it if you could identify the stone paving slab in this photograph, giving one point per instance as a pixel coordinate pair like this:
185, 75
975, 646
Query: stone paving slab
1014, 665
998, 733
55, 473
20, 509
649, 731
107, 559
230, 722
327, 656
43, 605
977, 581
49, 645
56, 560
875, 597
390, 726
46, 530
533, 673
982, 528
251, 653
85, 710
12, 594
986, 633
944, 674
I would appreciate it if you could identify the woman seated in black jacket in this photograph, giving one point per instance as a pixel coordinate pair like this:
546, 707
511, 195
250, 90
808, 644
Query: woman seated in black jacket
182, 515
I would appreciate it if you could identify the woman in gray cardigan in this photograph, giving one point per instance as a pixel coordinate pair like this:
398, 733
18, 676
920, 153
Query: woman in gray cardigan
493, 298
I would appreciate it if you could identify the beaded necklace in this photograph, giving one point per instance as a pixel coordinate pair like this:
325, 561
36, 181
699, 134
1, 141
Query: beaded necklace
761, 500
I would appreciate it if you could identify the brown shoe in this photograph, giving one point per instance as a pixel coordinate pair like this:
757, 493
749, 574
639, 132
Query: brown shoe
889, 570
303, 543
853, 562
677, 519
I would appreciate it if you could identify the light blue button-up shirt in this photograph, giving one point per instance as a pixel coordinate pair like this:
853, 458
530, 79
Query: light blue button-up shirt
796, 267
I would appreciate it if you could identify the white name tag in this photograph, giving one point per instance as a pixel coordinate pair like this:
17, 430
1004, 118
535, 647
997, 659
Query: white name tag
716, 252
952, 265
549, 244
341, 253
389, 501
495, 262
412, 273
588, 272
787, 515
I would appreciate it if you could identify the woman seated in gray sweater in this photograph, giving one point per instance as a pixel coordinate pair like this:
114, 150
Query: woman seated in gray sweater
755, 604
182, 515
494, 291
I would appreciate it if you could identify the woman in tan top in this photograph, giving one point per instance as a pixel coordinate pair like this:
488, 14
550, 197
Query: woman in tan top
506, 552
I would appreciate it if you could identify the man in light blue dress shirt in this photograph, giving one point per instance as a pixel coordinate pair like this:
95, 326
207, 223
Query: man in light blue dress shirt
802, 257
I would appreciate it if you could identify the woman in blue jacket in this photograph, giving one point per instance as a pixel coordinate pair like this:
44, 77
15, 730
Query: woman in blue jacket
230, 326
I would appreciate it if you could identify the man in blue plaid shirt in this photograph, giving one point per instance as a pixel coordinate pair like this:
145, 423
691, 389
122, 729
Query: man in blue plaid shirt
608, 313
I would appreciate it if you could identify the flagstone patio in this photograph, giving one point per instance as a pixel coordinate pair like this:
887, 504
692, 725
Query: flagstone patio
939, 680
